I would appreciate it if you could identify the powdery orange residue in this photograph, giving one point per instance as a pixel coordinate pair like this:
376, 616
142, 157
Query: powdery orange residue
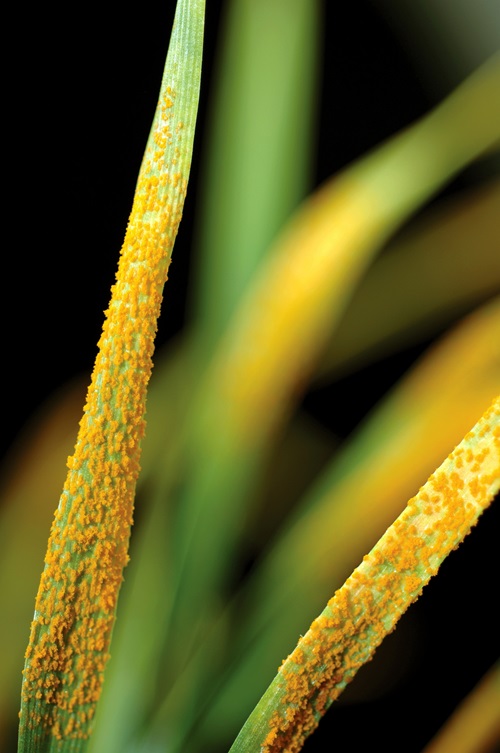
88, 544
388, 580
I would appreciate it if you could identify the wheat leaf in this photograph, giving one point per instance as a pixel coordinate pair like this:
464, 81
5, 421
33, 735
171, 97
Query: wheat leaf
372, 600
88, 544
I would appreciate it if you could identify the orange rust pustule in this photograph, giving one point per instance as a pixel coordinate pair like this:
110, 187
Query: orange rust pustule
88, 544
389, 579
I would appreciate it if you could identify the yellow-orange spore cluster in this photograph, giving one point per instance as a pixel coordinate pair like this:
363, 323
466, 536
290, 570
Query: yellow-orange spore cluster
88, 544
388, 580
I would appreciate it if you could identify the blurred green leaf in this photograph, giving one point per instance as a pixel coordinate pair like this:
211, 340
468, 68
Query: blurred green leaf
258, 149
425, 278
282, 324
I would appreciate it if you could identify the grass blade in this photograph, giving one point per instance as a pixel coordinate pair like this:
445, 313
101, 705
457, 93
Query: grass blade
259, 148
32, 476
87, 549
378, 592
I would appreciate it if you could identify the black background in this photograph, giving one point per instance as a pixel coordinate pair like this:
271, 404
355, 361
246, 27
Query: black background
82, 88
